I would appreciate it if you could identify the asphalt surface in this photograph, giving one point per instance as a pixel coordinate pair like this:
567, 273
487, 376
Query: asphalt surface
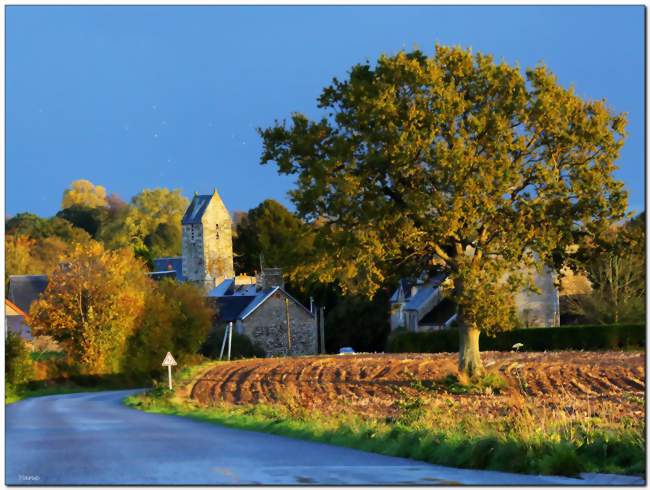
91, 438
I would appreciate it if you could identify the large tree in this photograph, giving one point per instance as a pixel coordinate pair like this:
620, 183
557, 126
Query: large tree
451, 161
91, 306
270, 230
140, 221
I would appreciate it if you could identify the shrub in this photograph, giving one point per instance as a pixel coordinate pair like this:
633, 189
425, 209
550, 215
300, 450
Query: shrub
18, 361
176, 318
242, 346
578, 337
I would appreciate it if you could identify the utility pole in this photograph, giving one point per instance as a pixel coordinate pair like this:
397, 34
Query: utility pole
227, 336
322, 330
223, 343
229, 339
286, 303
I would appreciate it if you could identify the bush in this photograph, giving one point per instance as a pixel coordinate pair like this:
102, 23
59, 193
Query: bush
176, 318
578, 337
18, 361
242, 346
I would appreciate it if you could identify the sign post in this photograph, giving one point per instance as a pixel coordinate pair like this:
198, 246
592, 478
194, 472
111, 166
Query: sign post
169, 362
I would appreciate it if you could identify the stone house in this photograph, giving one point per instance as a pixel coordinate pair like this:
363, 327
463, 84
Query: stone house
269, 316
420, 304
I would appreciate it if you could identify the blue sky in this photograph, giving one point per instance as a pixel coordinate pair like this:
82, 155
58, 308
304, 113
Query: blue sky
143, 97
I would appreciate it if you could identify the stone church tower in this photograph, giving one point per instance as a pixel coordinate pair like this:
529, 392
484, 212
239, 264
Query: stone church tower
207, 241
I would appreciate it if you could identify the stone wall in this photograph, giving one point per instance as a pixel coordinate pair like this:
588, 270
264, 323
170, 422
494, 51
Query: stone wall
540, 310
193, 252
267, 327
217, 234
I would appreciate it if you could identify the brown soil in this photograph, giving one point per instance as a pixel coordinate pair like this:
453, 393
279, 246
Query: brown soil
372, 384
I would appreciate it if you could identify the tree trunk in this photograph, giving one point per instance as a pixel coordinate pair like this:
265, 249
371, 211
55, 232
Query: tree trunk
469, 357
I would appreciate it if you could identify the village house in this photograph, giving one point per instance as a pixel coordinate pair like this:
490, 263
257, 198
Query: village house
420, 304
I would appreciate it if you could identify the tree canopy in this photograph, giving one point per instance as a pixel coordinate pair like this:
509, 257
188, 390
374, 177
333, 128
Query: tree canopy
451, 161
141, 221
82, 192
91, 306
275, 233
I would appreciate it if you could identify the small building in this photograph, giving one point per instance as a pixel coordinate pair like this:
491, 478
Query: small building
420, 304
16, 321
23, 291
267, 314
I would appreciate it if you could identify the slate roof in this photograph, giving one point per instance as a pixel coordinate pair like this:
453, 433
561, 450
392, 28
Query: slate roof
237, 302
228, 288
424, 290
262, 296
442, 312
24, 290
158, 276
165, 264
222, 289
229, 308
195, 210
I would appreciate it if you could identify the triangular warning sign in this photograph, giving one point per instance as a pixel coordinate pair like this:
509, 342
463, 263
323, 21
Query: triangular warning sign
169, 360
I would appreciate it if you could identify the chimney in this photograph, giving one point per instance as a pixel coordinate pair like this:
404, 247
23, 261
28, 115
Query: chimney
269, 278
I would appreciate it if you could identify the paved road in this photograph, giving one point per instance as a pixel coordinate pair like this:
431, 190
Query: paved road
91, 438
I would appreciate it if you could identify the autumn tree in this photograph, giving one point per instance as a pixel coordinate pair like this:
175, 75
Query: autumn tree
91, 305
615, 267
147, 211
36, 245
82, 192
176, 318
451, 161
35, 227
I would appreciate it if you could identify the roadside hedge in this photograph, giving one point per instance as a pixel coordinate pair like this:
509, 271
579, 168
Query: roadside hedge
573, 337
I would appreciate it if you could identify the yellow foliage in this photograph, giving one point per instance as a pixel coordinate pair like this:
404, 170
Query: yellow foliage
91, 305
82, 192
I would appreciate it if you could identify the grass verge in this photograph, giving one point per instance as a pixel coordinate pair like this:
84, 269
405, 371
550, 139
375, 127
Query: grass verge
78, 384
432, 428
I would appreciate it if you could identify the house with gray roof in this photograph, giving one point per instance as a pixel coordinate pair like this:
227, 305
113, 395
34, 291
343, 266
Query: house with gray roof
271, 317
25, 289
421, 304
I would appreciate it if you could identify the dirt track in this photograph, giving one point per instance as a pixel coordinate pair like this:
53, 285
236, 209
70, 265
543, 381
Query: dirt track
374, 382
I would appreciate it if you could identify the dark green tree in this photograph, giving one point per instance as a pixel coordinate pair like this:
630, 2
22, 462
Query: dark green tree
275, 233
88, 219
165, 238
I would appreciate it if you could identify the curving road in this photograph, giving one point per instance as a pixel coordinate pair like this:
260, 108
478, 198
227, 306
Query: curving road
91, 438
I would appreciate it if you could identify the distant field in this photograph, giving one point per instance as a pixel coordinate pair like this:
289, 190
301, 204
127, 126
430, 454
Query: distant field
374, 384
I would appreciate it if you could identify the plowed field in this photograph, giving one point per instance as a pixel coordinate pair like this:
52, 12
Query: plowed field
373, 384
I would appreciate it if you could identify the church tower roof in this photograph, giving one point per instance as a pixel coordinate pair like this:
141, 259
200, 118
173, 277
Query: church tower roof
197, 207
